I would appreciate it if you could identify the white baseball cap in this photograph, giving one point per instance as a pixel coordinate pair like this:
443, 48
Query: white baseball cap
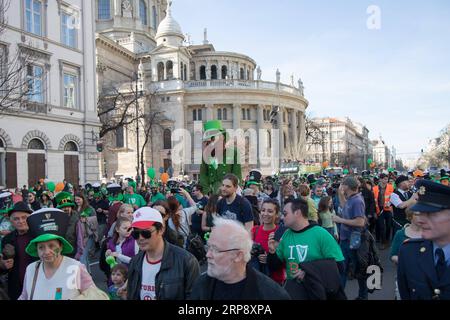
146, 217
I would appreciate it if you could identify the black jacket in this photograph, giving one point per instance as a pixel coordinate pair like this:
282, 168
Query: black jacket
369, 201
15, 284
179, 270
322, 282
257, 287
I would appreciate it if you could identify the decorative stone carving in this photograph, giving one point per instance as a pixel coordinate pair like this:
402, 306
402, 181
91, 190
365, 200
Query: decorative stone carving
127, 9
300, 86
258, 71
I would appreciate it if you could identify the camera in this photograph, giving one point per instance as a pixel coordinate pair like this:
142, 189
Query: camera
257, 250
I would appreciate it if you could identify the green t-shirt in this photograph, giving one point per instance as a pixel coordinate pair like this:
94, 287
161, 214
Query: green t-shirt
157, 197
309, 244
135, 199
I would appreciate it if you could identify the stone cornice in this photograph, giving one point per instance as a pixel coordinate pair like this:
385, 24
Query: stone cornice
223, 54
101, 39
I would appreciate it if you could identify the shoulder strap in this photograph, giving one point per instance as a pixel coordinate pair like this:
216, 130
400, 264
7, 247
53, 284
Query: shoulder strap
36, 271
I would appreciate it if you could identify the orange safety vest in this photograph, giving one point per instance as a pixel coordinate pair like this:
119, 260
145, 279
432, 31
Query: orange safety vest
387, 197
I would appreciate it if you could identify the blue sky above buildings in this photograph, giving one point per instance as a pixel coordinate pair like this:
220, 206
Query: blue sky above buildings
395, 80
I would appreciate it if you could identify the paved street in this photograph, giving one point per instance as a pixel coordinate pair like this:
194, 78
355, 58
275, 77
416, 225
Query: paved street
386, 292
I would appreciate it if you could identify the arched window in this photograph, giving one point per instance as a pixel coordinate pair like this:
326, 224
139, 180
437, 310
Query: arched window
154, 18
167, 139
161, 71
36, 144
104, 9
284, 140
143, 12
202, 73
219, 114
242, 74
224, 72
71, 146
224, 114
169, 67
120, 142
185, 72
2, 145
214, 72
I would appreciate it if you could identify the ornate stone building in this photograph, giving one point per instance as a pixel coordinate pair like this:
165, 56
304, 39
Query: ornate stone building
190, 84
50, 128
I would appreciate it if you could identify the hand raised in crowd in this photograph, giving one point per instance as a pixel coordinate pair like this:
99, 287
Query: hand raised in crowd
272, 243
262, 258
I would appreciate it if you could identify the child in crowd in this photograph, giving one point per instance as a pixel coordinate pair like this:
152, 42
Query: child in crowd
118, 278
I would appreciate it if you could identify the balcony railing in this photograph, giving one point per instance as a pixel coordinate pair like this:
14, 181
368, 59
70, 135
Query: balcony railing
194, 85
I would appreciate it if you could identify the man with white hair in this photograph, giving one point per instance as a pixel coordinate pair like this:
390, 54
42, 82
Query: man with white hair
229, 277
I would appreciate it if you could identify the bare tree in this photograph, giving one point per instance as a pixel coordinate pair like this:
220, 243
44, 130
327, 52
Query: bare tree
154, 118
116, 107
4, 6
314, 135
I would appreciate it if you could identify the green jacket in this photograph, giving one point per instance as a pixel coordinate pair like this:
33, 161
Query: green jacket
211, 178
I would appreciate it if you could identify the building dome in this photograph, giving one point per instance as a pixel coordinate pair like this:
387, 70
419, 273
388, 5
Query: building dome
169, 31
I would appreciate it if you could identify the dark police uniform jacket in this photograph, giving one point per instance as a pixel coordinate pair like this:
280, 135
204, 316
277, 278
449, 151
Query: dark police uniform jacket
416, 275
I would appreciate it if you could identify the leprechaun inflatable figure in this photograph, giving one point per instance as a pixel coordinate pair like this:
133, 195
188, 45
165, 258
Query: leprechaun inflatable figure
218, 160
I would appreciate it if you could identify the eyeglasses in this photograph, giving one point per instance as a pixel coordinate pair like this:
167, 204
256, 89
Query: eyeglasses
146, 234
215, 250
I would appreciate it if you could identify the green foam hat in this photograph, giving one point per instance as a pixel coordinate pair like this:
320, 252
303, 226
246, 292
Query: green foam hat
31, 249
64, 199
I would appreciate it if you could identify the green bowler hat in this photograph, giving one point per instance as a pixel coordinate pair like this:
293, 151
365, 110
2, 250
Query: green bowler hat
212, 128
31, 249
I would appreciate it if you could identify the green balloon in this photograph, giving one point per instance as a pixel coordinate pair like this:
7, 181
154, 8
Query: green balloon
51, 186
369, 161
151, 173
391, 170
345, 171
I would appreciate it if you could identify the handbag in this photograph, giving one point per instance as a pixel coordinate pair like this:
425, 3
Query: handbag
355, 240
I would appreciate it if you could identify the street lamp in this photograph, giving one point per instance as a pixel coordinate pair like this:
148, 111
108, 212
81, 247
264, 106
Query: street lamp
137, 77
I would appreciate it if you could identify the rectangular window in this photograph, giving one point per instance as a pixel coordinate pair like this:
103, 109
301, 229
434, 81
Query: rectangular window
35, 76
3, 68
199, 114
219, 114
224, 114
154, 18
68, 30
243, 114
33, 16
120, 137
104, 9
194, 115
70, 91
248, 114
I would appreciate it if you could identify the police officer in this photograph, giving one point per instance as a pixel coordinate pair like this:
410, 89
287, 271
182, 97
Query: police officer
424, 264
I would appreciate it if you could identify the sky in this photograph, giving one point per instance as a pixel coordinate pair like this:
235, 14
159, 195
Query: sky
393, 77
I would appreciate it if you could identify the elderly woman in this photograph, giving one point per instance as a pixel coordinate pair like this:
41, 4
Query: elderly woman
55, 276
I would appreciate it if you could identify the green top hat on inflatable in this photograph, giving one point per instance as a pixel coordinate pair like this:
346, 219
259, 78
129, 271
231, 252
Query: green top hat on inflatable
64, 199
212, 129
254, 178
45, 225
131, 183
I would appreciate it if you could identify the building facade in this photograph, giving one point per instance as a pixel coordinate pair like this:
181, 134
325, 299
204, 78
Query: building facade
190, 84
340, 142
52, 130
382, 154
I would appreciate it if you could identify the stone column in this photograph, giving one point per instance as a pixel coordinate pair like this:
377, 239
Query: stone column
236, 116
207, 70
209, 112
294, 127
259, 125
281, 135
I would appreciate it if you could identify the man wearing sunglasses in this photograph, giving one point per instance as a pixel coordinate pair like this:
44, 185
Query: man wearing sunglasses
160, 271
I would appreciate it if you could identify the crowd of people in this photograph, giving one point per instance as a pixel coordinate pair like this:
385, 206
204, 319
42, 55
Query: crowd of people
273, 237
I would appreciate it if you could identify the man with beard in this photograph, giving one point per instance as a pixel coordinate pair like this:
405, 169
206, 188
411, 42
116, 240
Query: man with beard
229, 276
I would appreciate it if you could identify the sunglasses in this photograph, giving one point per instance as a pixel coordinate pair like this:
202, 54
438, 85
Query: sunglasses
146, 234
